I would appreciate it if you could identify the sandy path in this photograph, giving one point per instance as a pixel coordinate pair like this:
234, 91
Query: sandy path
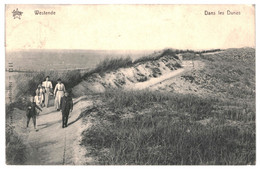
186, 66
53, 145
153, 81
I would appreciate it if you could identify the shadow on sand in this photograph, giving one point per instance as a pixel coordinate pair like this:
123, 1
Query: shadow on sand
53, 111
83, 114
45, 125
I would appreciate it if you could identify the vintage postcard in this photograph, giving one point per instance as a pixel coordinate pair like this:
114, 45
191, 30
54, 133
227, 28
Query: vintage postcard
130, 84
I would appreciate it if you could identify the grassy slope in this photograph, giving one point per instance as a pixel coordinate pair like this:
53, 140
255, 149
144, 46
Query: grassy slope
16, 150
143, 127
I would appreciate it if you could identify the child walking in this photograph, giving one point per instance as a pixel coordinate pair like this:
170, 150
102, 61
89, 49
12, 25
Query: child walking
31, 112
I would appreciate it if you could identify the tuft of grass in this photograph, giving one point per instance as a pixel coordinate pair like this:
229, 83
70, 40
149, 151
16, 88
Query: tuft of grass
112, 64
16, 153
109, 64
15, 149
157, 56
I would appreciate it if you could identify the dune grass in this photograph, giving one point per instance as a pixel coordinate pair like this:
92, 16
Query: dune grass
16, 153
16, 150
138, 100
112, 64
172, 133
159, 140
157, 56
109, 64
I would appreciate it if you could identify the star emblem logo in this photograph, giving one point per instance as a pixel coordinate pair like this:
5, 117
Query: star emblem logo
17, 14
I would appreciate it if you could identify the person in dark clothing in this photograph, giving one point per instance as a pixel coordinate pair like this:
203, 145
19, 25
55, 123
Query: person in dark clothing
31, 112
66, 108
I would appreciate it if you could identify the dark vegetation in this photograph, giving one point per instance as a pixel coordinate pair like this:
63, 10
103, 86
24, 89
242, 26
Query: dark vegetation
168, 129
16, 150
29, 82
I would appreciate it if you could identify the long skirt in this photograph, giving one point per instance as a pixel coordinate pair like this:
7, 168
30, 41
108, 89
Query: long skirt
58, 97
39, 100
46, 98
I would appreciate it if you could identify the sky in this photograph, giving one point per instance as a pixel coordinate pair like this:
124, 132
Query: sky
129, 27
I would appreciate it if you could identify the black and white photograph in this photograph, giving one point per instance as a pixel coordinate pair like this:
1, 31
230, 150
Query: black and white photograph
130, 84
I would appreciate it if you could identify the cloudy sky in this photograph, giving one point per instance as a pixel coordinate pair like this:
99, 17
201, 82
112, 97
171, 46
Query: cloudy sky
127, 27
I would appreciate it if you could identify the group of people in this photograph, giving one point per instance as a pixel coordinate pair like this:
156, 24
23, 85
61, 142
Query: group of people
44, 91
63, 102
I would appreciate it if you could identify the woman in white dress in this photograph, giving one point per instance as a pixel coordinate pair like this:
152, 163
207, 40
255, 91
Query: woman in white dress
59, 93
48, 90
39, 97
